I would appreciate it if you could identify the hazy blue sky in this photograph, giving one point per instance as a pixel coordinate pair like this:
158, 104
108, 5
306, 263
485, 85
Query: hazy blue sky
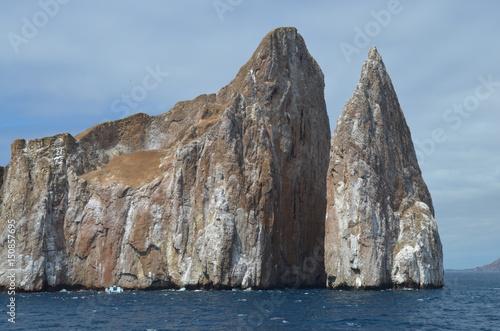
65, 66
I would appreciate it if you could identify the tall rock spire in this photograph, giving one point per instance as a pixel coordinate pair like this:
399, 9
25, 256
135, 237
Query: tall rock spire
380, 227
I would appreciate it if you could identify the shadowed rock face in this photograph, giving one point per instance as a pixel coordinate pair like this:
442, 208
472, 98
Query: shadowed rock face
380, 227
226, 190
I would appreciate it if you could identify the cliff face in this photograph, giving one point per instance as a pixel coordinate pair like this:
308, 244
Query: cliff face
380, 227
226, 190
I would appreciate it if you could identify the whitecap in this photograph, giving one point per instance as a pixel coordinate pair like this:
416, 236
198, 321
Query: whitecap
182, 289
242, 315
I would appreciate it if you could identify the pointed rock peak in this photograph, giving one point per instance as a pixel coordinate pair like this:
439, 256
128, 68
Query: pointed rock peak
374, 65
283, 32
376, 193
374, 76
373, 118
282, 57
283, 45
282, 35
374, 54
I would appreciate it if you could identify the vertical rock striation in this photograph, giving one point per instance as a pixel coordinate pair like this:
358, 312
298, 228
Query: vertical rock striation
380, 227
226, 190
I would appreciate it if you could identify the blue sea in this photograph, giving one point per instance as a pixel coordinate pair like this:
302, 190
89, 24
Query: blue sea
469, 301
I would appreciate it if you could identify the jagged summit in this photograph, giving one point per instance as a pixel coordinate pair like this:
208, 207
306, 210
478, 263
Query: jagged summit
374, 55
380, 227
281, 56
283, 43
376, 119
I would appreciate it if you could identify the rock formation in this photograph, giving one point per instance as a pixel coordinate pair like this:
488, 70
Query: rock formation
494, 266
226, 190
380, 227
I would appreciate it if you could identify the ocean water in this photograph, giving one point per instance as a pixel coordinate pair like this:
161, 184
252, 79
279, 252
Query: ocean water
469, 301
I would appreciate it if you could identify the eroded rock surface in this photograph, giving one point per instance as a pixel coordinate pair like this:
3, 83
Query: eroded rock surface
380, 227
226, 190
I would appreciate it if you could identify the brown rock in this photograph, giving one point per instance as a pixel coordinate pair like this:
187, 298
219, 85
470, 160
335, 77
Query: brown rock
380, 227
226, 190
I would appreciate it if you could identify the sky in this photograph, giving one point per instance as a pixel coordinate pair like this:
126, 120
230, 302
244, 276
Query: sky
66, 65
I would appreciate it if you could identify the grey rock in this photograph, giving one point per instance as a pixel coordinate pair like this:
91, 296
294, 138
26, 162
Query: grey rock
494, 266
380, 227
